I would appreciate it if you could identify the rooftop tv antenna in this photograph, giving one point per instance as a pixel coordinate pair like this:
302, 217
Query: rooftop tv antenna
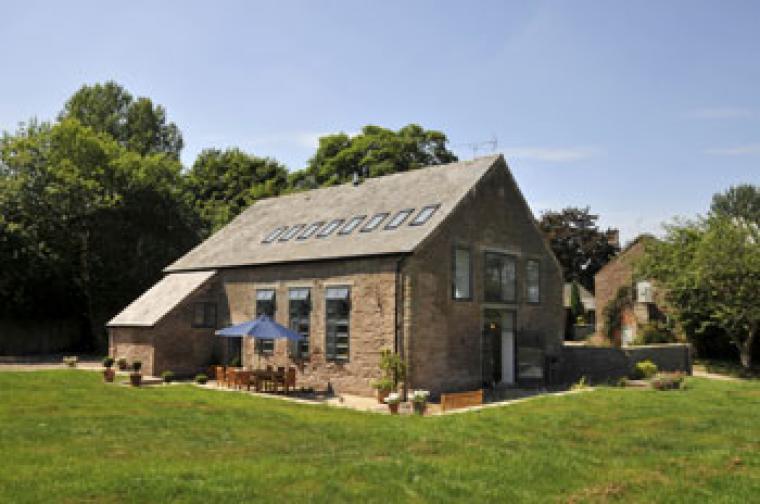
491, 145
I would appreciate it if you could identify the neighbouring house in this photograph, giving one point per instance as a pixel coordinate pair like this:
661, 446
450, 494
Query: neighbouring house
444, 265
579, 331
646, 305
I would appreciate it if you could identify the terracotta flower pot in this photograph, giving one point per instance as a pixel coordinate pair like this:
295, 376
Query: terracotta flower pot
135, 379
394, 408
381, 395
108, 375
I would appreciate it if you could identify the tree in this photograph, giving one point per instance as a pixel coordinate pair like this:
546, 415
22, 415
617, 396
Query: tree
741, 201
576, 305
581, 248
710, 270
221, 184
377, 150
91, 223
136, 124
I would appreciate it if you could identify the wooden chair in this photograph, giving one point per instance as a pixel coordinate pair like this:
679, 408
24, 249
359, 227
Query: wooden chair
243, 380
220, 375
290, 380
231, 377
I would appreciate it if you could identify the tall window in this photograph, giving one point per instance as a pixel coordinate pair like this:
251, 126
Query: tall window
204, 315
299, 307
500, 278
266, 304
533, 281
338, 302
461, 284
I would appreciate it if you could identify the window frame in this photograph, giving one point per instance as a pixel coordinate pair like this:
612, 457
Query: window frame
407, 212
432, 208
380, 216
207, 322
454, 249
274, 235
330, 228
503, 299
309, 230
356, 218
528, 299
334, 356
298, 352
266, 346
291, 233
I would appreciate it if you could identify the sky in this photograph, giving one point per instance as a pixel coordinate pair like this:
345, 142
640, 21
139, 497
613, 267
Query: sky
641, 110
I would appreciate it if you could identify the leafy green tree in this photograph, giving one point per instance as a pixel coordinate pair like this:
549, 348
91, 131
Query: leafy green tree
88, 222
741, 201
710, 270
580, 246
576, 305
377, 150
137, 124
221, 184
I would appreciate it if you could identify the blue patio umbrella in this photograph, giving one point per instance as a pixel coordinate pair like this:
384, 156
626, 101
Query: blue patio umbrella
260, 328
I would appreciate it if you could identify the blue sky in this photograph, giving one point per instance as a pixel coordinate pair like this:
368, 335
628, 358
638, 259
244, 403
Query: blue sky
641, 110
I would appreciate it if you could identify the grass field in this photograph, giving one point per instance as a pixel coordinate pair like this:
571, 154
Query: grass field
67, 437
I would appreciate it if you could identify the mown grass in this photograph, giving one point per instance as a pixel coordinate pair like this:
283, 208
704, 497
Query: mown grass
67, 437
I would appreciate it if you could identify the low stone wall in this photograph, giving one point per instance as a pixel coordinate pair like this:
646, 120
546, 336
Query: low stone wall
599, 364
30, 337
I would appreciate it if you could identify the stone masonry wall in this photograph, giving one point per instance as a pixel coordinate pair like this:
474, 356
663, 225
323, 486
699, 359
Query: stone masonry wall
617, 273
443, 336
373, 294
132, 343
602, 364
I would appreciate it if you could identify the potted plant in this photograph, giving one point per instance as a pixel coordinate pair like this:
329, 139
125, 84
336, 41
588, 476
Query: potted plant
122, 364
108, 372
167, 376
393, 400
384, 386
419, 400
201, 379
135, 378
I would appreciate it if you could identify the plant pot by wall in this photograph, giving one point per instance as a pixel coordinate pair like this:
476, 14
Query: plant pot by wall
381, 395
108, 375
420, 407
394, 408
135, 379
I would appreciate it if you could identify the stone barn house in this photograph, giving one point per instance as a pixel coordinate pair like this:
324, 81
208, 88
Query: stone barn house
444, 265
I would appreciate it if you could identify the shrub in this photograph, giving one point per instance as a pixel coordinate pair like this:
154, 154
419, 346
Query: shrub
167, 376
644, 370
393, 398
108, 362
122, 363
668, 381
393, 366
654, 333
420, 396
383, 384
201, 378
136, 366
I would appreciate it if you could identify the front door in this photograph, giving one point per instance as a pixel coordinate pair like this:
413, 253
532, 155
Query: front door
498, 359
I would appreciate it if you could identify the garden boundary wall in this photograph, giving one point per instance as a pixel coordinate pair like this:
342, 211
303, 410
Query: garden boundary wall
609, 364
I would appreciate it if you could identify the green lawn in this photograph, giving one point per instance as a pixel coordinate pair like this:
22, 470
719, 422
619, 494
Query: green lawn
67, 437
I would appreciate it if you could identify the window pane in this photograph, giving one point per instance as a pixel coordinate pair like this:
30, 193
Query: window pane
500, 277
352, 224
310, 230
265, 303
298, 294
274, 234
337, 324
461, 273
533, 281
530, 363
374, 222
424, 215
300, 320
290, 233
329, 228
399, 218
265, 294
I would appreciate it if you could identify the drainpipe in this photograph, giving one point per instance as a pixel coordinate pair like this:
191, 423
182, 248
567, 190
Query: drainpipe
398, 343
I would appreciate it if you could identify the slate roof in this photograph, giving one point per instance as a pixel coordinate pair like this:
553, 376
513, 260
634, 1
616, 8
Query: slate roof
240, 242
156, 302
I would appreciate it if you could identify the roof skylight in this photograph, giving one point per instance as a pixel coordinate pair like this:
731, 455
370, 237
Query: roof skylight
375, 221
399, 218
424, 215
329, 228
290, 233
310, 230
274, 234
352, 224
